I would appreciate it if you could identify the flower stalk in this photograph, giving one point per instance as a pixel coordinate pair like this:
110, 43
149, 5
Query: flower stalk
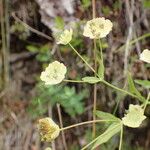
121, 137
81, 57
84, 123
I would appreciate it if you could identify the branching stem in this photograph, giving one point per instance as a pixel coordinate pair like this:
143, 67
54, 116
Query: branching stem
121, 90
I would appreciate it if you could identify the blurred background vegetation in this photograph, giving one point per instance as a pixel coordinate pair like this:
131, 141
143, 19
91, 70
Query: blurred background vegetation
28, 44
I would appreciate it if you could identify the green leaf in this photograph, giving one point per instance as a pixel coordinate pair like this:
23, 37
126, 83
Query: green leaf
106, 116
86, 3
42, 57
133, 89
144, 83
91, 80
146, 4
101, 69
106, 10
113, 129
59, 23
32, 48
44, 48
116, 5
72, 102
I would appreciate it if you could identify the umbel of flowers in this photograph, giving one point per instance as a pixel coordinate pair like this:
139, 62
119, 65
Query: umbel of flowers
97, 28
65, 37
134, 116
145, 56
48, 129
54, 73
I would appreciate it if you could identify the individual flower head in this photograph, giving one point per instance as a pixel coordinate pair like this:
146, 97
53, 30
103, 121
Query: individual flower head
48, 129
65, 37
145, 56
54, 73
97, 28
134, 116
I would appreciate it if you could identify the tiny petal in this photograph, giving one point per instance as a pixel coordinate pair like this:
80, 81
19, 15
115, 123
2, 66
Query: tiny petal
145, 56
134, 117
48, 129
54, 73
65, 37
97, 28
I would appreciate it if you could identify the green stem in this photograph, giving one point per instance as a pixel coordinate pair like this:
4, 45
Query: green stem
95, 67
101, 50
121, 90
74, 81
82, 58
134, 41
95, 89
83, 123
146, 103
121, 137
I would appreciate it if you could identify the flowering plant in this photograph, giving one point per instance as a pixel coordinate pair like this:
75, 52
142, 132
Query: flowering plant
96, 29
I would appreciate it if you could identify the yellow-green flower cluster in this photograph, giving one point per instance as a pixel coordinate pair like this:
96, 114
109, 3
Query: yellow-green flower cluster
134, 116
48, 129
54, 73
145, 56
65, 37
97, 28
